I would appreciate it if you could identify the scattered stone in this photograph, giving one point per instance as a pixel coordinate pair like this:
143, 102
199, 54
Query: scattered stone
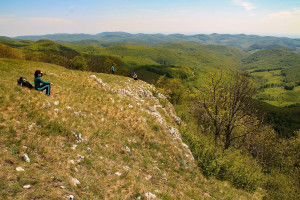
149, 195
177, 120
112, 100
126, 168
80, 158
56, 110
148, 177
88, 150
75, 181
20, 169
25, 147
153, 108
174, 132
102, 119
78, 136
72, 162
74, 147
69, 108
101, 157
130, 106
127, 149
52, 74
30, 127
118, 173
185, 145
121, 108
27, 186
70, 197
56, 102
76, 170
26, 158
62, 187
207, 195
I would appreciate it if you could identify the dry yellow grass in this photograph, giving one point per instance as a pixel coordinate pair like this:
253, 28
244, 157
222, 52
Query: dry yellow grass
122, 152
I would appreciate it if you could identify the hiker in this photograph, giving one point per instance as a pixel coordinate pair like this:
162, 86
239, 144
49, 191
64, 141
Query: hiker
112, 69
134, 76
38, 81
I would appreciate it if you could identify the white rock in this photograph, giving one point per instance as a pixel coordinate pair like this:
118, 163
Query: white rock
20, 169
80, 158
126, 168
127, 149
69, 108
102, 119
27, 186
56, 103
26, 158
101, 157
25, 147
148, 177
74, 147
207, 195
88, 150
75, 181
62, 187
112, 100
185, 145
72, 162
149, 195
70, 197
118, 173
130, 106
56, 110
76, 170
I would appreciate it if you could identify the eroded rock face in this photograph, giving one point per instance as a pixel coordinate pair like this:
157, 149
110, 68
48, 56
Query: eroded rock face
147, 99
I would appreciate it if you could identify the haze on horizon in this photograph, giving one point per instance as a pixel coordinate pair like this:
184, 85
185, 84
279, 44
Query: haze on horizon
260, 17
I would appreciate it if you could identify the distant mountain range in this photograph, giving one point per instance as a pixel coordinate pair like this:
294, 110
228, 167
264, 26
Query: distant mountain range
245, 42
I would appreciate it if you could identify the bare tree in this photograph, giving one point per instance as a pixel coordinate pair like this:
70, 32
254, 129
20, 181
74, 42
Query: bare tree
224, 104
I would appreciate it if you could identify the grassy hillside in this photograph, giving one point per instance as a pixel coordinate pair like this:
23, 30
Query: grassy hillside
108, 132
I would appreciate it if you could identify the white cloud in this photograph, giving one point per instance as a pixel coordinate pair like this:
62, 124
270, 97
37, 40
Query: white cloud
246, 5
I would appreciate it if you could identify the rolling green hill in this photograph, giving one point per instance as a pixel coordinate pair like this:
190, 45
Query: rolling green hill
98, 136
277, 72
241, 41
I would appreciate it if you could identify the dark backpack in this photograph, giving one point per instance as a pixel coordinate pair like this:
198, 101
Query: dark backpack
24, 83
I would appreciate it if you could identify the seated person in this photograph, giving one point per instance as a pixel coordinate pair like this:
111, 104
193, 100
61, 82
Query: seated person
135, 76
38, 81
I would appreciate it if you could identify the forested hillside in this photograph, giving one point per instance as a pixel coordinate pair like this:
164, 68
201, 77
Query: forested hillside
241, 41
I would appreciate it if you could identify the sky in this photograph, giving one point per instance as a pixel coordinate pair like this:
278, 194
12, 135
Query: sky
259, 17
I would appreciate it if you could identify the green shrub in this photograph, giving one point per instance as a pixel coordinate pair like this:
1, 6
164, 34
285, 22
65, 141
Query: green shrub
280, 186
240, 169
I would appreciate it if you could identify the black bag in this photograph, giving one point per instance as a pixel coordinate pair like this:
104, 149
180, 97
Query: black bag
24, 83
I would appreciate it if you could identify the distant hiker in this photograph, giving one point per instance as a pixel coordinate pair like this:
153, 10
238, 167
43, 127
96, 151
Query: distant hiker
112, 69
38, 81
134, 76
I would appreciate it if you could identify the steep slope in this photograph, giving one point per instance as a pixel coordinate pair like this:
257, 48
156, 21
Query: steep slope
98, 137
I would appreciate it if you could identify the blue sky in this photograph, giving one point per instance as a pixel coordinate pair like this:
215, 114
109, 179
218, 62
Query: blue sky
262, 17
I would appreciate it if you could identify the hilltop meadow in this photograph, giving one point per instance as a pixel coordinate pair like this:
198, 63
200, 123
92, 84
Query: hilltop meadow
238, 98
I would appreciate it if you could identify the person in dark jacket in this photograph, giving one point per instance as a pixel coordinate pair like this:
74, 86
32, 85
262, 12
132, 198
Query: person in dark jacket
38, 81
112, 69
